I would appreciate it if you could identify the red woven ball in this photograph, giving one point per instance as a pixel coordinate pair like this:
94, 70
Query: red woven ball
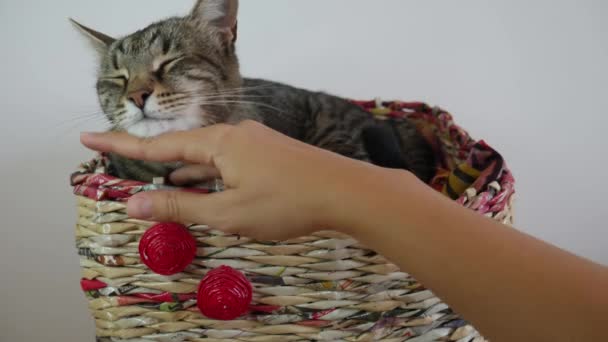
167, 248
224, 294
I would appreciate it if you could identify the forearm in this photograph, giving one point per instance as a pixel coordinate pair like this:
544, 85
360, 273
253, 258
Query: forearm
509, 285
513, 287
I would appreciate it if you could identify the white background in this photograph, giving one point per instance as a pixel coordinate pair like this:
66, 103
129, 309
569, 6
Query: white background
529, 77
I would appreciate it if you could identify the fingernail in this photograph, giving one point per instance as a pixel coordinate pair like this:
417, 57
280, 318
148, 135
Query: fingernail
89, 136
140, 207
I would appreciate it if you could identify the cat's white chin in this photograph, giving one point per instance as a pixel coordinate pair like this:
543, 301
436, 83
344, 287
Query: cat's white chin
146, 128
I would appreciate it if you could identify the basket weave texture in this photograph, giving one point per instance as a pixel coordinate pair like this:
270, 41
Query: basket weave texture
324, 287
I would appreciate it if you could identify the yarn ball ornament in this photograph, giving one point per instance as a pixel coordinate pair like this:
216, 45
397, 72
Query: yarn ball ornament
224, 294
167, 248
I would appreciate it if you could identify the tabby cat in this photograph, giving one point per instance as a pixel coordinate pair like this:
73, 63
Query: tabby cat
183, 73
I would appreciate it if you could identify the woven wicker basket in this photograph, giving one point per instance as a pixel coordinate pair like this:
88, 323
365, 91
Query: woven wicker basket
320, 287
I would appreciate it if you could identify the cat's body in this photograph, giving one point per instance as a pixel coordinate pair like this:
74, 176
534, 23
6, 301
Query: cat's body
182, 73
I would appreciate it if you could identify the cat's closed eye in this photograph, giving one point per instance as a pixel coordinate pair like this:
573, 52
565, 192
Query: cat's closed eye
166, 65
120, 80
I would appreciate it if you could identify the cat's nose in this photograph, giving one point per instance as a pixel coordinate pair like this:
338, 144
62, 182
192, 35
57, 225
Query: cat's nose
139, 97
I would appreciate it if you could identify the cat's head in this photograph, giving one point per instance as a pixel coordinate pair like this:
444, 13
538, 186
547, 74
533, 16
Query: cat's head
176, 74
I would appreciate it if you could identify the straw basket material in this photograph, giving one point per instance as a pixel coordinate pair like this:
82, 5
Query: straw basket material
208, 286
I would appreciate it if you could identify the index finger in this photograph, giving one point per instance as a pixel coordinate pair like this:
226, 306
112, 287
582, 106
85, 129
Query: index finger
193, 146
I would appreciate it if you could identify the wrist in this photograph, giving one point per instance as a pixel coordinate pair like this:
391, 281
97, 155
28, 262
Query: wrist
366, 196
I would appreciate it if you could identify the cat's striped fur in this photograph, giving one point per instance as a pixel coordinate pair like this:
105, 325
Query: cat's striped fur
183, 73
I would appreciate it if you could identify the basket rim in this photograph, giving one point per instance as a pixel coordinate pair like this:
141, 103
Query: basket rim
494, 182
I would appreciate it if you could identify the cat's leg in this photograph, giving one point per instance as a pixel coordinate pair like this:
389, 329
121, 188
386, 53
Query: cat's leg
345, 128
345, 144
139, 170
337, 125
384, 146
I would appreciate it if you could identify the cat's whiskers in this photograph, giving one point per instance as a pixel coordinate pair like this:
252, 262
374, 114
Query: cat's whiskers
206, 102
79, 119
238, 90
220, 96
71, 124
250, 88
168, 100
235, 97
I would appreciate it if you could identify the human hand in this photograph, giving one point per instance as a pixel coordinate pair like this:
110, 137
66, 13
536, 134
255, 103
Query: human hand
276, 187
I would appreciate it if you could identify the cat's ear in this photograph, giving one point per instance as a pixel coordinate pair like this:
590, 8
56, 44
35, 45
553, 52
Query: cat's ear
221, 14
98, 40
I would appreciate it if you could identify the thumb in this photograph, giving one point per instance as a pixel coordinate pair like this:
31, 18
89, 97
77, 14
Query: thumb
177, 206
